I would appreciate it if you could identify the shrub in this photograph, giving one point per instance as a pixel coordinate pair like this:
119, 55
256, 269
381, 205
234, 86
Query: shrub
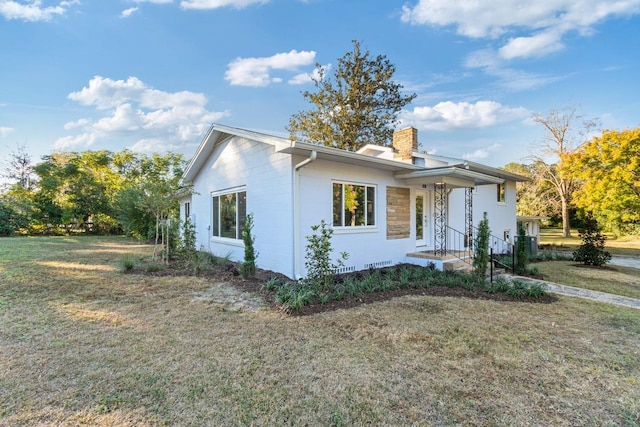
127, 263
522, 256
481, 258
248, 268
592, 250
320, 269
272, 284
294, 295
187, 251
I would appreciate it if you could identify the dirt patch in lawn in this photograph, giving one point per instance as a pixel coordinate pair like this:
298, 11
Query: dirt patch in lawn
229, 275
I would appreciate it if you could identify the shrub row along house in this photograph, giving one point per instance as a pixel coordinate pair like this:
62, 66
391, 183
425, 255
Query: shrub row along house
385, 205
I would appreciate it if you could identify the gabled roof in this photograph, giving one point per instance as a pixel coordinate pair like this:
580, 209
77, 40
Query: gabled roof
452, 171
218, 133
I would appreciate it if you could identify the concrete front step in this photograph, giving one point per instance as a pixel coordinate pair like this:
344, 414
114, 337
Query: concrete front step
457, 265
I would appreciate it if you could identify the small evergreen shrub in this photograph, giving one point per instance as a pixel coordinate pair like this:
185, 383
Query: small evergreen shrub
481, 247
248, 268
592, 250
522, 256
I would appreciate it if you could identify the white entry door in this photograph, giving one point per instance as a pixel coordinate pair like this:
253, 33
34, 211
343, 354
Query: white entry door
422, 218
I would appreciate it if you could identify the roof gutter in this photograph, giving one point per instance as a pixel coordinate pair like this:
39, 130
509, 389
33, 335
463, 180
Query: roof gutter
296, 213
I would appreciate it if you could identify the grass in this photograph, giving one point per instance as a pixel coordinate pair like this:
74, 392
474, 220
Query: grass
83, 343
626, 246
616, 280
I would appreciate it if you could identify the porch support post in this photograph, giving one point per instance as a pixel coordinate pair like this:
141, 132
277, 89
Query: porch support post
440, 223
468, 217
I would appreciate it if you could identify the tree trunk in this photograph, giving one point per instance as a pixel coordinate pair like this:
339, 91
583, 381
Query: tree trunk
566, 227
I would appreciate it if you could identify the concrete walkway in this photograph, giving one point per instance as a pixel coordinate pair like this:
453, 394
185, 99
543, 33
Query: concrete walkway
572, 291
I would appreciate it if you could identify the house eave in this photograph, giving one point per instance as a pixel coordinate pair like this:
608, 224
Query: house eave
454, 176
348, 157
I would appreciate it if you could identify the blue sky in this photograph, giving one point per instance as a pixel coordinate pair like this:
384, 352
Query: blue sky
152, 75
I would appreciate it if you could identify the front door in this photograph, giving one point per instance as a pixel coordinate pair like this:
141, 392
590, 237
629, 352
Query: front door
422, 218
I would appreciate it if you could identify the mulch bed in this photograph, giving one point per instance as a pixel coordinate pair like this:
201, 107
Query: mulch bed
229, 273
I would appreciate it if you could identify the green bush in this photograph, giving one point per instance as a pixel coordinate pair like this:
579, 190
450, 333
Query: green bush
320, 269
248, 268
522, 256
481, 247
592, 250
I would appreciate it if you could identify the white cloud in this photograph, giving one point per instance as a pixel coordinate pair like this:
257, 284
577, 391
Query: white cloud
77, 124
537, 45
128, 12
451, 115
155, 145
256, 71
481, 153
33, 11
304, 78
516, 80
4, 131
214, 4
83, 140
131, 109
538, 27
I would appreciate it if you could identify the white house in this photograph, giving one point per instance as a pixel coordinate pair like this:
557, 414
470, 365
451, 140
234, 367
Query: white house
385, 205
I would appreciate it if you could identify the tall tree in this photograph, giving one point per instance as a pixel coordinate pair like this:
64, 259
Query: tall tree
80, 186
535, 197
609, 166
360, 105
20, 167
562, 137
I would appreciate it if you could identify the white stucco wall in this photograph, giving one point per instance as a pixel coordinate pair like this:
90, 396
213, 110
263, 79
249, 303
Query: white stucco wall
267, 177
502, 216
269, 180
364, 245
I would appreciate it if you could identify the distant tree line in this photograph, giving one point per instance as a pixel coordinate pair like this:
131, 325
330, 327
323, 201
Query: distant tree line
597, 179
99, 192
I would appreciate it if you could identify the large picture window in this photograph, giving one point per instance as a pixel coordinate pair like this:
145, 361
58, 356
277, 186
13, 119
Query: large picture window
353, 205
229, 214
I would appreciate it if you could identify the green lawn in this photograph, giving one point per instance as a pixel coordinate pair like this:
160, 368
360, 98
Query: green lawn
83, 344
626, 246
616, 280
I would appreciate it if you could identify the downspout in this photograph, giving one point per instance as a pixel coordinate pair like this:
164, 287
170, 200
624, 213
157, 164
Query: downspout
296, 213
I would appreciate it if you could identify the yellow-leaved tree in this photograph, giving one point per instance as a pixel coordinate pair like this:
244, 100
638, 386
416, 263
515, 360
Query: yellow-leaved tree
609, 167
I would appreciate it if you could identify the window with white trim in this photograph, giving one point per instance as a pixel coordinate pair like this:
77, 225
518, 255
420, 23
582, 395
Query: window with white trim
502, 190
229, 214
354, 205
187, 211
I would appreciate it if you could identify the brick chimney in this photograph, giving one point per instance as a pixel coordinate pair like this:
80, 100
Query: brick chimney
405, 142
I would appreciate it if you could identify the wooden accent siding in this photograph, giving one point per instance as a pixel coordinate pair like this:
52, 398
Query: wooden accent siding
398, 213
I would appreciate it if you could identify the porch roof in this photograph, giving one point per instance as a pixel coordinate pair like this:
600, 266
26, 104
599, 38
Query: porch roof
453, 176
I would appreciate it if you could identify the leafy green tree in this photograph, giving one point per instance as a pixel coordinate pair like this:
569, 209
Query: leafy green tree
360, 105
78, 189
148, 195
609, 167
536, 197
562, 137
159, 189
